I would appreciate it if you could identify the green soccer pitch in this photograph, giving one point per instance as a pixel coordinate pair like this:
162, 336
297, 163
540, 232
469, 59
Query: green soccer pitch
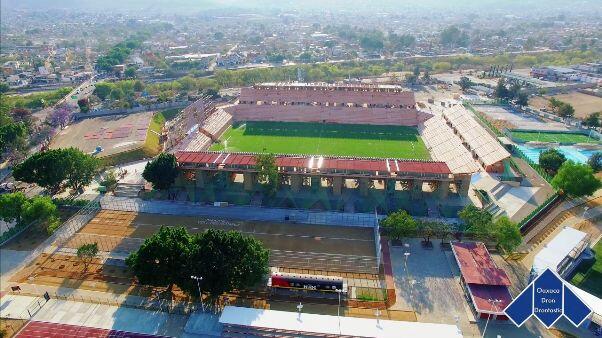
528, 136
324, 139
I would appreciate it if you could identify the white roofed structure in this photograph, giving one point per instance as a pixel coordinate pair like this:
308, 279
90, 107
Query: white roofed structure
444, 145
477, 140
239, 321
561, 252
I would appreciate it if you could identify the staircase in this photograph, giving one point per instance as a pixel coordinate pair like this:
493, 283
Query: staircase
130, 190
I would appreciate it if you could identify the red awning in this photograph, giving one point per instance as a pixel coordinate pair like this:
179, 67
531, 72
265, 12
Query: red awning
476, 265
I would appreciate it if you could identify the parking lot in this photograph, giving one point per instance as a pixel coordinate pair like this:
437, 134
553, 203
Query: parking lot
429, 284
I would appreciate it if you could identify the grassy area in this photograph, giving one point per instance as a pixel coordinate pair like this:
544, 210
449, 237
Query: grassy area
33, 101
324, 139
589, 276
527, 136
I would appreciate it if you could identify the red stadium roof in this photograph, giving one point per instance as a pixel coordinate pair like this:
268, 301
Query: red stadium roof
487, 284
317, 162
476, 265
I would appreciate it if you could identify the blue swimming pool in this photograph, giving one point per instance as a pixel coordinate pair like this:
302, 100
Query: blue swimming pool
570, 152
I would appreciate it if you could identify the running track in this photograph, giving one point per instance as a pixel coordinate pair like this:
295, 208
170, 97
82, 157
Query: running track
35, 329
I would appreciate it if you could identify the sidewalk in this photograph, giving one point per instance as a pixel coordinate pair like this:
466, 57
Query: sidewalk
96, 315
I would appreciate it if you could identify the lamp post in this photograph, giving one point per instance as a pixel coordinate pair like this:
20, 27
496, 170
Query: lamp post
198, 284
493, 302
339, 309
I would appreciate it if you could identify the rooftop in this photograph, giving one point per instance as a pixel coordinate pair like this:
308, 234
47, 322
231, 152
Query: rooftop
275, 321
316, 162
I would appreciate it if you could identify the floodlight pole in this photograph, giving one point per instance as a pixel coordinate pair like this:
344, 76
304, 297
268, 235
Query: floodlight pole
198, 284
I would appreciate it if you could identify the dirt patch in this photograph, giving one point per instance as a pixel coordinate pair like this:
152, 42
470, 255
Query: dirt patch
584, 104
11, 326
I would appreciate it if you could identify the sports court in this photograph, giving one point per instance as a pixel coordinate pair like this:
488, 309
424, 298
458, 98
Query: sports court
533, 136
324, 139
115, 134
298, 246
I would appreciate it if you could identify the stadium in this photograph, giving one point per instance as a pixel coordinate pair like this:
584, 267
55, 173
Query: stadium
349, 147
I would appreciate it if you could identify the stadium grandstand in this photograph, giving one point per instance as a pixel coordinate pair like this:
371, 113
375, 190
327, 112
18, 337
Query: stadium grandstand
444, 145
484, 147
328, 103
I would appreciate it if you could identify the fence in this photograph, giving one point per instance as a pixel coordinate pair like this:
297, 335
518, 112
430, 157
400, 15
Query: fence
533, 165
247, 213
109, 112
323, 261
137, 302
64, 232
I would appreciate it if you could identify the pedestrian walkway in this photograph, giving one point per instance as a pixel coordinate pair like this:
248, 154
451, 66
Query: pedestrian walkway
99, 316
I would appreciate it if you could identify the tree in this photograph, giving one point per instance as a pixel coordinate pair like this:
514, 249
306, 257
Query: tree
45, 169
227, 260
507, 235
84, 105
39, 208
57, 168
267, 172
82, 168
416, 71
60, 116
452, 36
399, 224
11, 207
551, 160
162, 171
501, 92
102, 90
130, 72
86, 253
464, 83
427, 230
13, 136
592, 120
4, 87
138, 86
522, 99
514, 91
163, 258
576, 179
566, 110
477, 221
116, 94
411, 78
21, 115
554, 103
596, 161
110, 180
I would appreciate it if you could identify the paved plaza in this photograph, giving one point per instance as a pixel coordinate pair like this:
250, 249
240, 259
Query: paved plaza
93, 315
430, 286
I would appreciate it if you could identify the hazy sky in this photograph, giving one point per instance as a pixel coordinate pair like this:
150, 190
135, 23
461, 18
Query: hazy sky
363, 5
